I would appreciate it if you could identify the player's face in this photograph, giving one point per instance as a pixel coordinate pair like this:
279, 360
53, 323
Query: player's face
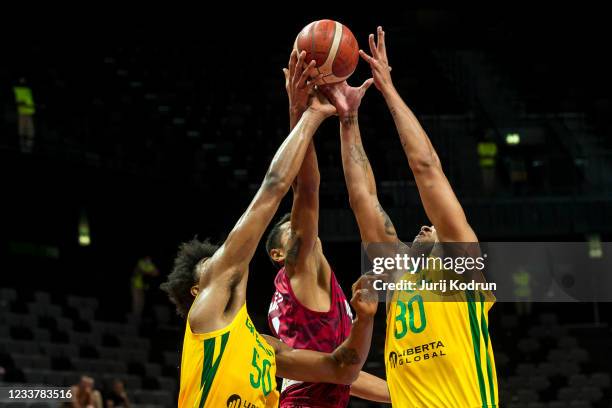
427, 235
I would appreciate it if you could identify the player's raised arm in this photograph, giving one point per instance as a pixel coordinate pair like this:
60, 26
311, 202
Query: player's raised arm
374, 223
343, 365
439, 200
305, 209
241, 243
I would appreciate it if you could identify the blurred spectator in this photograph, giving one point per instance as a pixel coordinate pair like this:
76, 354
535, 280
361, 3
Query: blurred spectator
144, 270
25, 115
117, 397
522, 291
487, 152
84, 395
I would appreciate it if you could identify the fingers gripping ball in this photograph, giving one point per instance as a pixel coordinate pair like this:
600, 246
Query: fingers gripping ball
333, 47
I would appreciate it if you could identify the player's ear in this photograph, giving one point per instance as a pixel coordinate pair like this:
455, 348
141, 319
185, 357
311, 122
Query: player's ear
195, 289
277, 255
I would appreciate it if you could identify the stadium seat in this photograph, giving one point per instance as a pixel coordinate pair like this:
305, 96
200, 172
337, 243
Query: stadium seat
15, 405
548, 319
539, 382
8, 294
153, 369
173, 359
135, 343
578, 380
169, 384
54, 350
19, 320
20, 347
31, 361
82, 302
578, 355
600, 379
41, 335
580, 404
37, 376
567, 342
161, 397
568, 368
528, 345
525, 369
42, 297
568, 393
591, 393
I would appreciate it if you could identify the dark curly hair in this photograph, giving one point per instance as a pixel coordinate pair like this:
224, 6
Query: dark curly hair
183, 275
273, 239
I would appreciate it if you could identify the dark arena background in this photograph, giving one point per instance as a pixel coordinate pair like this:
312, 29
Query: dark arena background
147, 134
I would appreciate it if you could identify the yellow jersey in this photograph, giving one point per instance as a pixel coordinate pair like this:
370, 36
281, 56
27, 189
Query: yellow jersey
25, 101
437, 350
231, 367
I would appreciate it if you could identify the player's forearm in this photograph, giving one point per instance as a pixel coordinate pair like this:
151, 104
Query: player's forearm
290, 155
374, 223
438, 198
304, 212
415, 142
357, 170
350, 356
370, 387
295, 114
308, 178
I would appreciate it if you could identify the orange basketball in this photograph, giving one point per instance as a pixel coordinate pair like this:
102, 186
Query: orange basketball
334, 48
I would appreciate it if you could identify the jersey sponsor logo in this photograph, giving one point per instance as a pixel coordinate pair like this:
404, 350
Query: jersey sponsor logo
416, 354
235, 401
393, 359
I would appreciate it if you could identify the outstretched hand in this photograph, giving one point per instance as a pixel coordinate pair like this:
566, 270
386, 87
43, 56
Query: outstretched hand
378, 61
346, 98
298, 81
365, 297
320, 105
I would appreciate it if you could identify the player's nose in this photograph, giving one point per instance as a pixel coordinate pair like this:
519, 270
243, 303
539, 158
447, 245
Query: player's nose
425, 228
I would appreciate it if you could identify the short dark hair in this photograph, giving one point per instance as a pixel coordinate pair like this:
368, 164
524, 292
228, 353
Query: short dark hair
183, 275
273, 240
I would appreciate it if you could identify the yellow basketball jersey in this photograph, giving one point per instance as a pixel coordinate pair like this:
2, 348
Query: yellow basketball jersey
231, 367
438, 352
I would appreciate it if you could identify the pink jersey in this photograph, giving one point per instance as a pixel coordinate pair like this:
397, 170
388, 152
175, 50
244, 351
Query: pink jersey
302, 328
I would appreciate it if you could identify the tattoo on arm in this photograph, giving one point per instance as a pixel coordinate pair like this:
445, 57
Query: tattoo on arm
358, 156
389, 228
401, 135
346, 356
293, 251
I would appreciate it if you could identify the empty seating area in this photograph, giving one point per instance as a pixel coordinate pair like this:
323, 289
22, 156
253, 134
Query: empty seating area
40, 345
542, 363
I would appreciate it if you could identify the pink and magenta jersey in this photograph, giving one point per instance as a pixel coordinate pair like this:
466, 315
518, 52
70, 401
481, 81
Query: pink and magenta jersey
302, 328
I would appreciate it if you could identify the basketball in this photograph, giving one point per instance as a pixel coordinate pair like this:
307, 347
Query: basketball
334, 48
